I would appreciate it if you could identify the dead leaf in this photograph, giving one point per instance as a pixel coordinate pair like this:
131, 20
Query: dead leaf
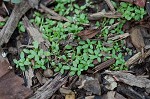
137, 39
87, 34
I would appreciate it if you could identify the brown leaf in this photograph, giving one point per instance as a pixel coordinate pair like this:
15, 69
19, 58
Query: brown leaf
87, 34
137, 39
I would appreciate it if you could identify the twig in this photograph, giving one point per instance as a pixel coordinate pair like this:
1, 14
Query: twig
99, 15
110, 5
119, 37
49, 88
105, 64
133, 59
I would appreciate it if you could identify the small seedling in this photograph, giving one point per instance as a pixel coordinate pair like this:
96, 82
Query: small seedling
37, 58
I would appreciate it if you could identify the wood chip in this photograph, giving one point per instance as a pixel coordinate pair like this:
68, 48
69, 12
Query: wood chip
105, 64
133, 59
49, 88
99, 15
130, 79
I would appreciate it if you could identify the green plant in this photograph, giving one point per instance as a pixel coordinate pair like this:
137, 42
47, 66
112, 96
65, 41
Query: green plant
21, 27
130, 11
37, 58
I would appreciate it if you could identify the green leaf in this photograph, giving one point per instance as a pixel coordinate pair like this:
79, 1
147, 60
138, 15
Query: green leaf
85, 56
64, 57
74, 68
72, 73
36, 58
62, 71
57, 69
99, 59
111, 21
30, 56
21, 64
46, 53
90, 51
68, 47
86, 67
35, 44
21, 28
53, 63
43, 67
66, 67
82, 42
26, 51
40, 52
27, 63
15, 61
22, 68
123, 4
74, 63
36, 66
79, 73
22, 55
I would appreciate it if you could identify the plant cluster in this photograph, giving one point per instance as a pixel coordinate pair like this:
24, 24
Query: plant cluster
79, 58
37, 58
130, 11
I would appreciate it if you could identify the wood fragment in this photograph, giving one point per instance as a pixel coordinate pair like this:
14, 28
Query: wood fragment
18, 11
99, 15
130, 79
110, 5
34, 32
119, 37
133, 59
105, 64
50, 87
128, 91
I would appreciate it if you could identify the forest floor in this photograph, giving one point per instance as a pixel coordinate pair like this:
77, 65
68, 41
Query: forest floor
74, 49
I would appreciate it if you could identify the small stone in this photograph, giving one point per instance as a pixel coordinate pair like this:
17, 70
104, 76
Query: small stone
48, 73
65, 91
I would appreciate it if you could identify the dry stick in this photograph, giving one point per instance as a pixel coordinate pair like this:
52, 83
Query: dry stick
99, 15
105, 64
133, 59
119, 37
110, 5
18, 11
49, 88
53, 13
